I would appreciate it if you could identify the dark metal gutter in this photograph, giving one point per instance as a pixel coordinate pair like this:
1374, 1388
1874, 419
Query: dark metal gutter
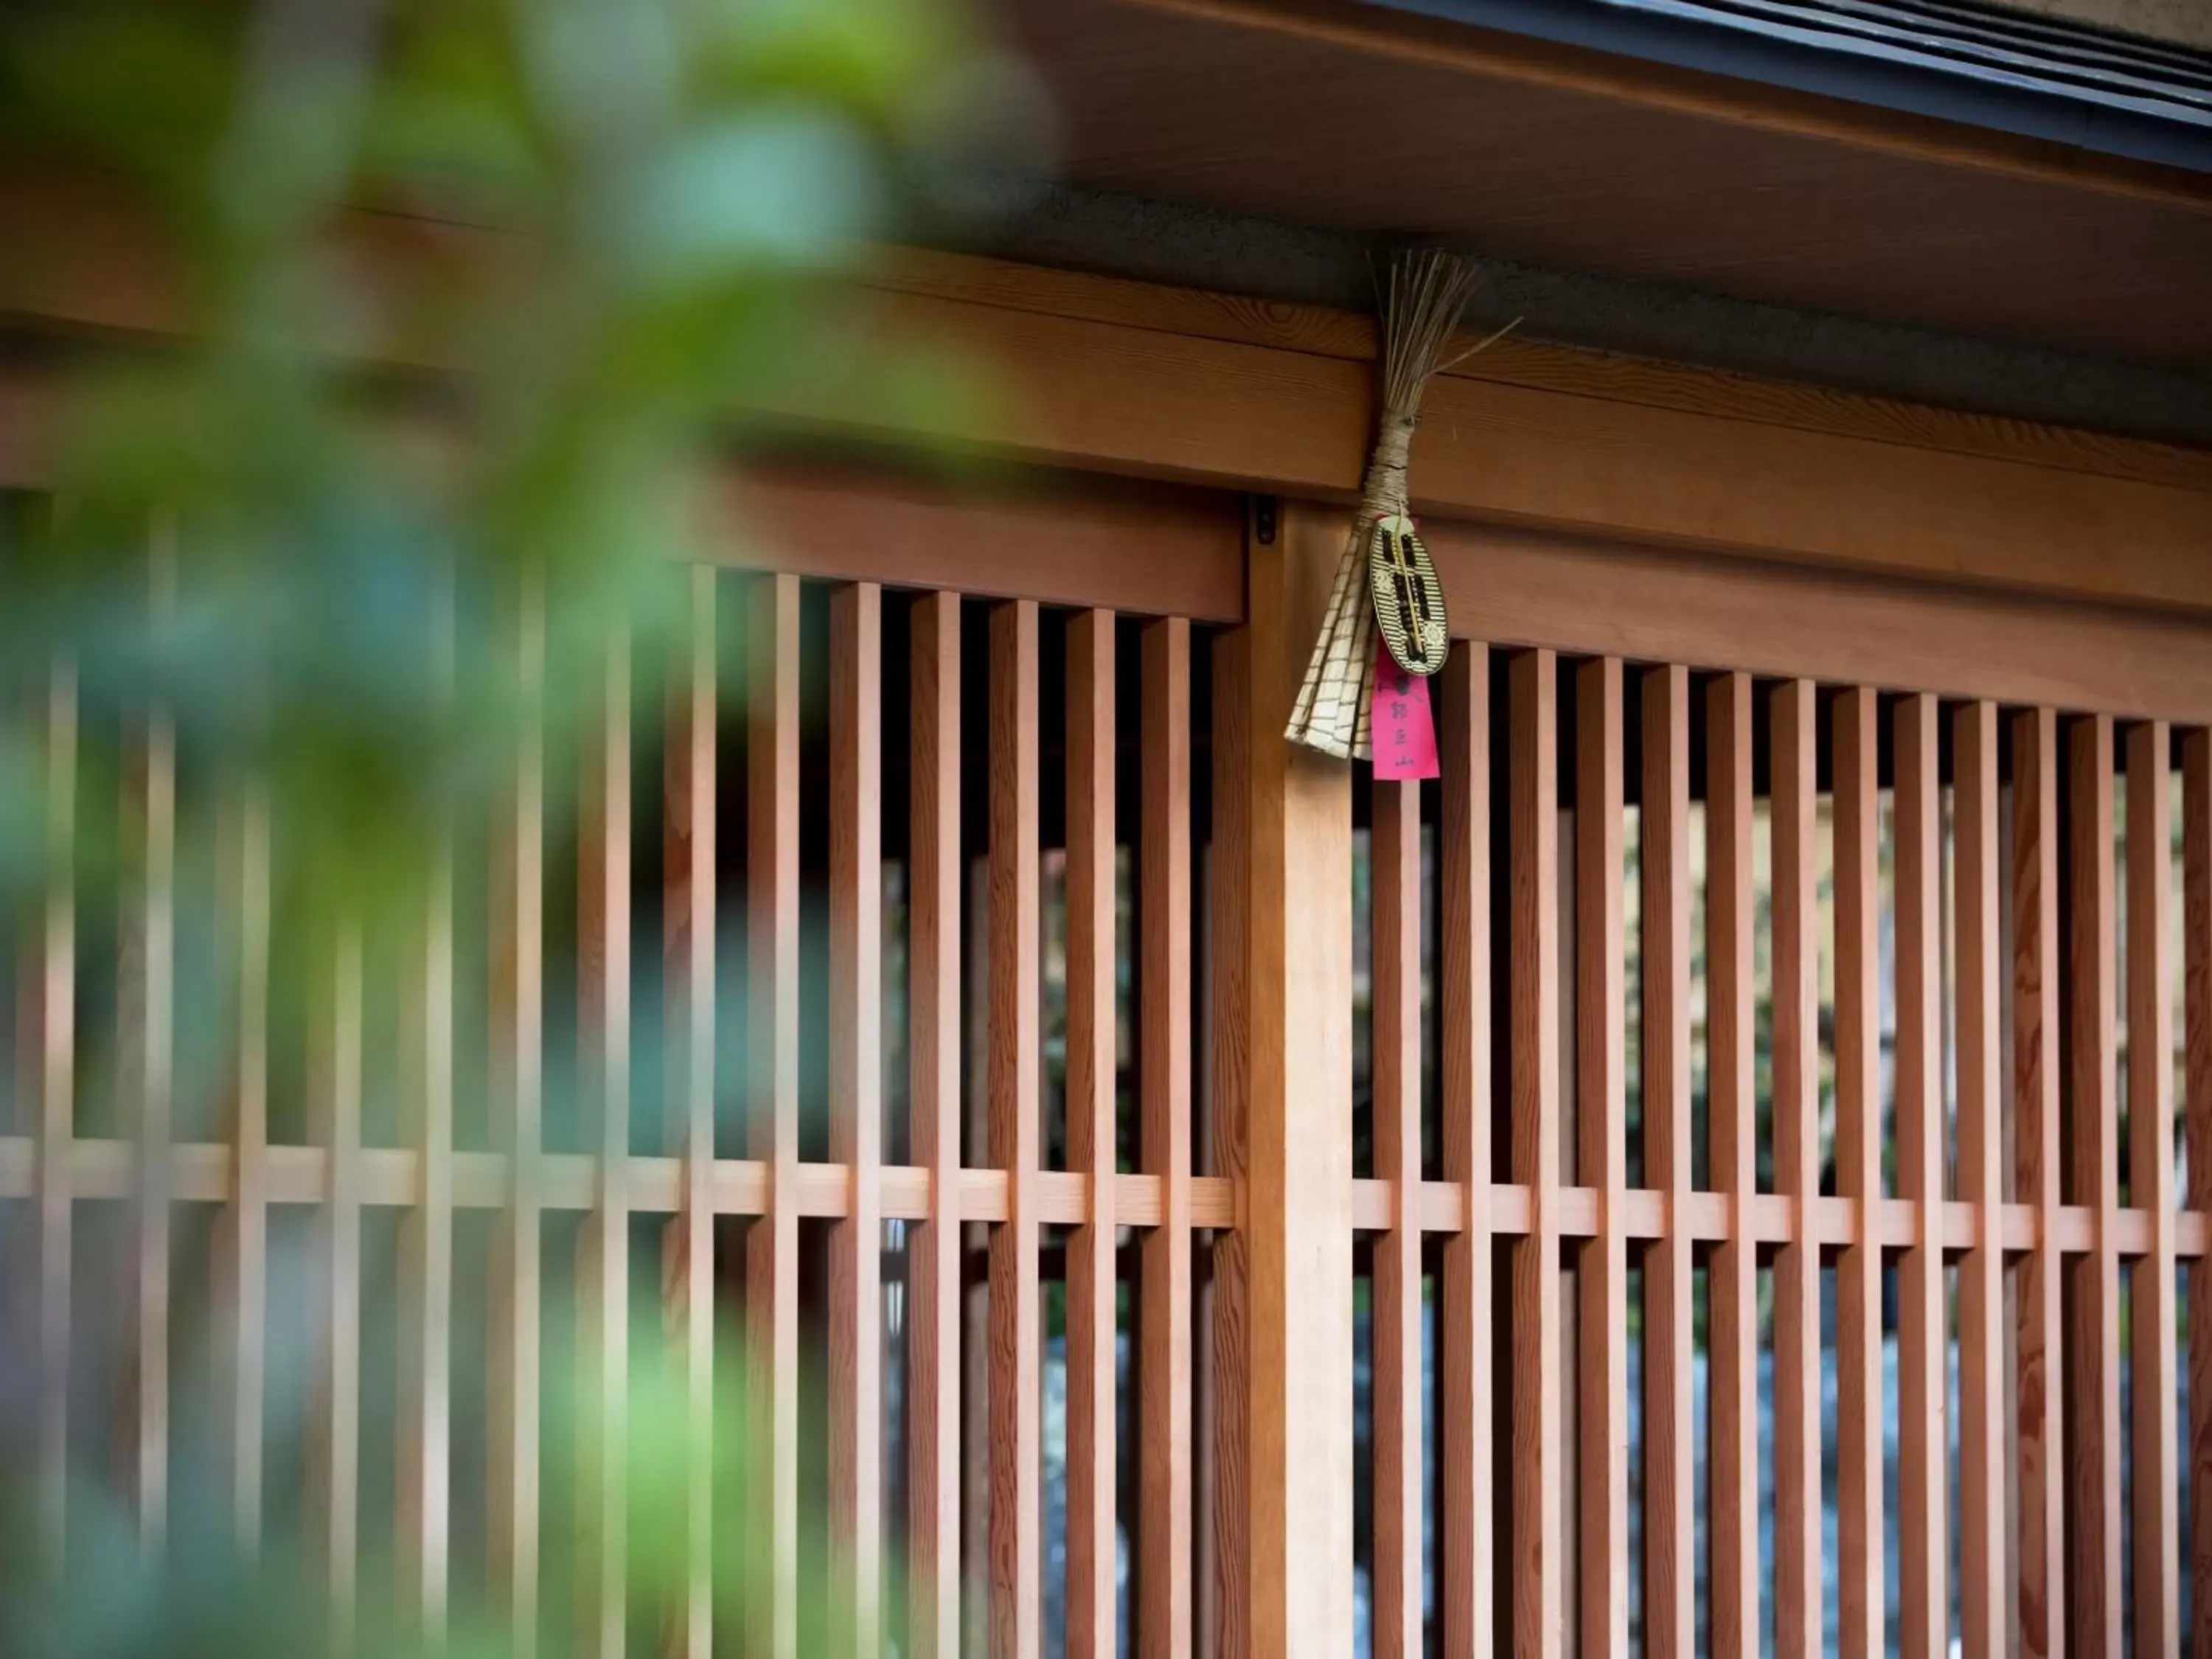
1975, 65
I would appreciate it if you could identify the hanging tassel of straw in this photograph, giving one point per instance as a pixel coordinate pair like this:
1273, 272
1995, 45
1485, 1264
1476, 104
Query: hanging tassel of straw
1423, 292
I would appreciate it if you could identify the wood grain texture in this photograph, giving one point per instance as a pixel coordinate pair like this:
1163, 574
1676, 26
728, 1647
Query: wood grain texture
1093, 1552
1858, 1177
1101, 394
1466, 1556
1296, 1047
856, 1105
1497, 61
518, 1016
1799, 1565
1163, 922
1541, 1461
1924, 1319
1984, 1540
1676, 604
1230, 870
2152, 1309
688, 912
245, 1232
1733, 1130
1016, 1609
1519, 361
603, 987
2037, 1155
2093, 1282
1601, 1105
1057, 537
934, 1026
1395, 853
2196, 1113
772, 917
1670, 1517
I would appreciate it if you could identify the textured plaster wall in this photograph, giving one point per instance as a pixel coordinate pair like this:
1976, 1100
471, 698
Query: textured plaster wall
2185, 22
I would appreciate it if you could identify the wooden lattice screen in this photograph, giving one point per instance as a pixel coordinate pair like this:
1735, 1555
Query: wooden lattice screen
1859, 959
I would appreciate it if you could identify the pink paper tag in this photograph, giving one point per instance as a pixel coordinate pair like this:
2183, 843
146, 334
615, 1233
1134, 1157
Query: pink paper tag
1404, 730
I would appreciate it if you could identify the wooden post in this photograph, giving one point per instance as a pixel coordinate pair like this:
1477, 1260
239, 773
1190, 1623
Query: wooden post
1285, 1089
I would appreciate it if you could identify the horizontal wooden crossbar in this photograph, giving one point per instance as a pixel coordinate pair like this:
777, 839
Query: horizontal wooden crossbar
93, 1171
1442, 1209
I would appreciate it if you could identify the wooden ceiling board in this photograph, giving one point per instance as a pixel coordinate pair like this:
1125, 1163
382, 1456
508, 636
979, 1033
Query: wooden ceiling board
1189, 107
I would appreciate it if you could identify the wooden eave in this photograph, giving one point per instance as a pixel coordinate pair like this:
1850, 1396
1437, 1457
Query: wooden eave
1353, 118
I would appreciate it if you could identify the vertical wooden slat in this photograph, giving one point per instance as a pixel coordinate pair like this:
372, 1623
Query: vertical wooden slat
57, 1119
2150, 1164
1733, 1130
1091, 1066
1231, 869
1465, 1564
336, 1470
2093, 1299
1286, 1054
518, 1000
1669, 1518
1163, 1610
1983, 1571
425, 1517
1799, 1569
856, 1108
150, 975
1016, 1610
1539, 1463
1858, 1177
245, 1227
1923, 1339
603, 996
688, 912
772, 1248
934, 958
1395, 863
2196, 1107
2043, 1518
1601, 1102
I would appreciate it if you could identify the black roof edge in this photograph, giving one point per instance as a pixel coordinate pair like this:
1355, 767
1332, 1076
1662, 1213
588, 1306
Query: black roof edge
2056, 84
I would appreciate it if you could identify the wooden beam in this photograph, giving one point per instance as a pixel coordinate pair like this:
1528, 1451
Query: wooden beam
1527, 587
1120, 380
1289, 1040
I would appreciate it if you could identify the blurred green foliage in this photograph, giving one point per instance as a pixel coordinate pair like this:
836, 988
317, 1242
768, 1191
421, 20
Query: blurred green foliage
471, 300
